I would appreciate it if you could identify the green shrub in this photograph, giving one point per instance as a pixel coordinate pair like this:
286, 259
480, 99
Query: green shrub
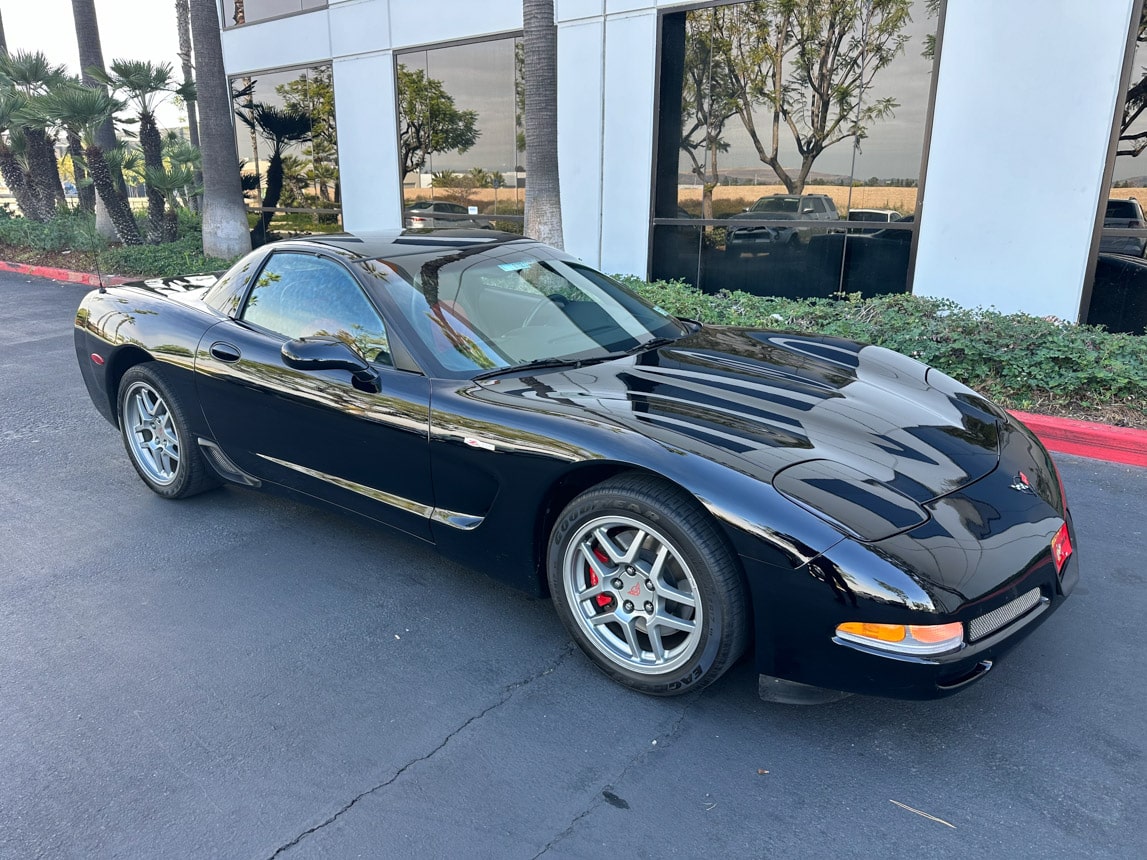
1025, 362
182, 257
70, 230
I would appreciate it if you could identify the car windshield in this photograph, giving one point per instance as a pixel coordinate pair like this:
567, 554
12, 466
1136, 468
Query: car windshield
487, 307
777, 204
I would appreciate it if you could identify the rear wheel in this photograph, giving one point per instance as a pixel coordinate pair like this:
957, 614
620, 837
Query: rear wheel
156, 435
647, 586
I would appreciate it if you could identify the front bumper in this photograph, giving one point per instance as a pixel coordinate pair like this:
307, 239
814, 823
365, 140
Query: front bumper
984, 551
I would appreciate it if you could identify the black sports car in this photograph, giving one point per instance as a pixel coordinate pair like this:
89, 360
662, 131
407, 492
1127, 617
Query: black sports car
683, 492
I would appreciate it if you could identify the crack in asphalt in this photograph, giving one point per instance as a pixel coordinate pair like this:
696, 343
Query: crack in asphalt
671, 733
508, 692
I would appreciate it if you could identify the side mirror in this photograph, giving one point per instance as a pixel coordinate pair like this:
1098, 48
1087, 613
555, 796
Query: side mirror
329, 353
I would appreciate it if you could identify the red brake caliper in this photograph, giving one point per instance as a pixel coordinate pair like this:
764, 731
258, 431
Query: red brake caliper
602, 600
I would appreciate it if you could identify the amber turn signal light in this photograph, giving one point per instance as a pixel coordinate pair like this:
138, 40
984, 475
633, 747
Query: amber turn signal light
904, 639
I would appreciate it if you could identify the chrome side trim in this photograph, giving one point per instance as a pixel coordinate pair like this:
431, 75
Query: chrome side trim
465, 522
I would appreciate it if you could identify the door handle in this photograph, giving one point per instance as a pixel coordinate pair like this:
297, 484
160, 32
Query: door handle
225, 351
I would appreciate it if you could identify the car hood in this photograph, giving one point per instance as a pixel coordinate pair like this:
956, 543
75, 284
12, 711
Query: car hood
765, 216
765, 401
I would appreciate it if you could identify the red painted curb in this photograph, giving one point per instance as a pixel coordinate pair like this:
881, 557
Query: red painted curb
1088, 438
68, 275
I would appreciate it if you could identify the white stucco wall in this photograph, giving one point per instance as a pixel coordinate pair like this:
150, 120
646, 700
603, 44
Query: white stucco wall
1025, 100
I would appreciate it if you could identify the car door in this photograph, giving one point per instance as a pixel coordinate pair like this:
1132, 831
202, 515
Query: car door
358, 445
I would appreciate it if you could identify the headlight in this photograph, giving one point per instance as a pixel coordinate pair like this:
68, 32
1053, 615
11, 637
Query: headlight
915, 639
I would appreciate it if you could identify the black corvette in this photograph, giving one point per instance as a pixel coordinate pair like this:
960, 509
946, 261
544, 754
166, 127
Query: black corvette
683, 492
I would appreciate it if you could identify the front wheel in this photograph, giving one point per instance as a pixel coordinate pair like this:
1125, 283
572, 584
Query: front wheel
647, 587
157, 437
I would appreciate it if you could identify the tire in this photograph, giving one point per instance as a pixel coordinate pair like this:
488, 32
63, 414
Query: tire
156, 434
682, 576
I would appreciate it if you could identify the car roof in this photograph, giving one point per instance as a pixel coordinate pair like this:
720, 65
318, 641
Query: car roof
371, 245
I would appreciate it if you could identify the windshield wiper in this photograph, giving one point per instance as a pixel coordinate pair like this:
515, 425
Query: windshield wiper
653, 343
537, 364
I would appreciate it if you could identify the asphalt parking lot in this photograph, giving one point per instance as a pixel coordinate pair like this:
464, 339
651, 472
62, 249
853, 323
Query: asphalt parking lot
239, 676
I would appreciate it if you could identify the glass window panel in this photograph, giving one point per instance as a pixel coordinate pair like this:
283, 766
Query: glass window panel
676, 253
1119, 283
773, 151
298, 295
286, 138
460, 135
237, 12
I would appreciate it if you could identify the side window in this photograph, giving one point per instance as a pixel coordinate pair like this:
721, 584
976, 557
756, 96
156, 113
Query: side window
817, 206
299, 295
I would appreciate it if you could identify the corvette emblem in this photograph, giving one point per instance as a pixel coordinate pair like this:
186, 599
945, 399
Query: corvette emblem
636, 590
1021, 484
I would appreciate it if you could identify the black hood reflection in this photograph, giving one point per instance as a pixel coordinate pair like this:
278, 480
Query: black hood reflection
762, 401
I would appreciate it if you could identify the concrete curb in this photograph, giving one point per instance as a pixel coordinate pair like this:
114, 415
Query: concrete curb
1064, 435
1088, 438
68, 275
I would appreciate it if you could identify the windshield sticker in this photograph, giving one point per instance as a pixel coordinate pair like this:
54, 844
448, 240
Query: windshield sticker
515, 267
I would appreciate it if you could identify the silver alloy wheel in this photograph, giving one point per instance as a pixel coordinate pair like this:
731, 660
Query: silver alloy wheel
150, 432
633, 595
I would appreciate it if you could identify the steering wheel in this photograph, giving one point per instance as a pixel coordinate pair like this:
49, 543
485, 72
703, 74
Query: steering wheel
545, 302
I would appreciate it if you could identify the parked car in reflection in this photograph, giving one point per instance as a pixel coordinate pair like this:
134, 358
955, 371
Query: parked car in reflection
760, 239
1119, 294
875, 216
429, 214
1125, 213
859, 261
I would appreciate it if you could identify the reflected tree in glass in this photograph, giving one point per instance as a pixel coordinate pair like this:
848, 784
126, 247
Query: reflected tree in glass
708, 101
428, 121
313, 94
802, 69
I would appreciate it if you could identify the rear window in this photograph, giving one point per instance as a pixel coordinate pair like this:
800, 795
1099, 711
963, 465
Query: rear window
777, 204
867, 216
1122, 209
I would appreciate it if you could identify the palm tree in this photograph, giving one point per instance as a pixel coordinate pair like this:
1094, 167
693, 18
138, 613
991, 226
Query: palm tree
31, 73
187, 90
225, 231
11, 104
145, 85
171, 182
543, 192
280, 127
92, 57
84, 190
82, 110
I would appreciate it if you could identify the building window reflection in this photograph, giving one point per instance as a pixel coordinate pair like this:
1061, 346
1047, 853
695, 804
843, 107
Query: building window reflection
461, 140
781, 126
237, 12
288, 149
1119, 287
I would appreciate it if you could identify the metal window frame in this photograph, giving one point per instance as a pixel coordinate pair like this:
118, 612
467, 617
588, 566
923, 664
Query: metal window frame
926, 145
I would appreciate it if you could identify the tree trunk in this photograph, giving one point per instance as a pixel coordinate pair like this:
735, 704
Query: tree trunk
152, 145
92, 56
84, 190
3, 40
183, 20
43, 171
543, 192
225, 230
14, 178
117, 207
271, 199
